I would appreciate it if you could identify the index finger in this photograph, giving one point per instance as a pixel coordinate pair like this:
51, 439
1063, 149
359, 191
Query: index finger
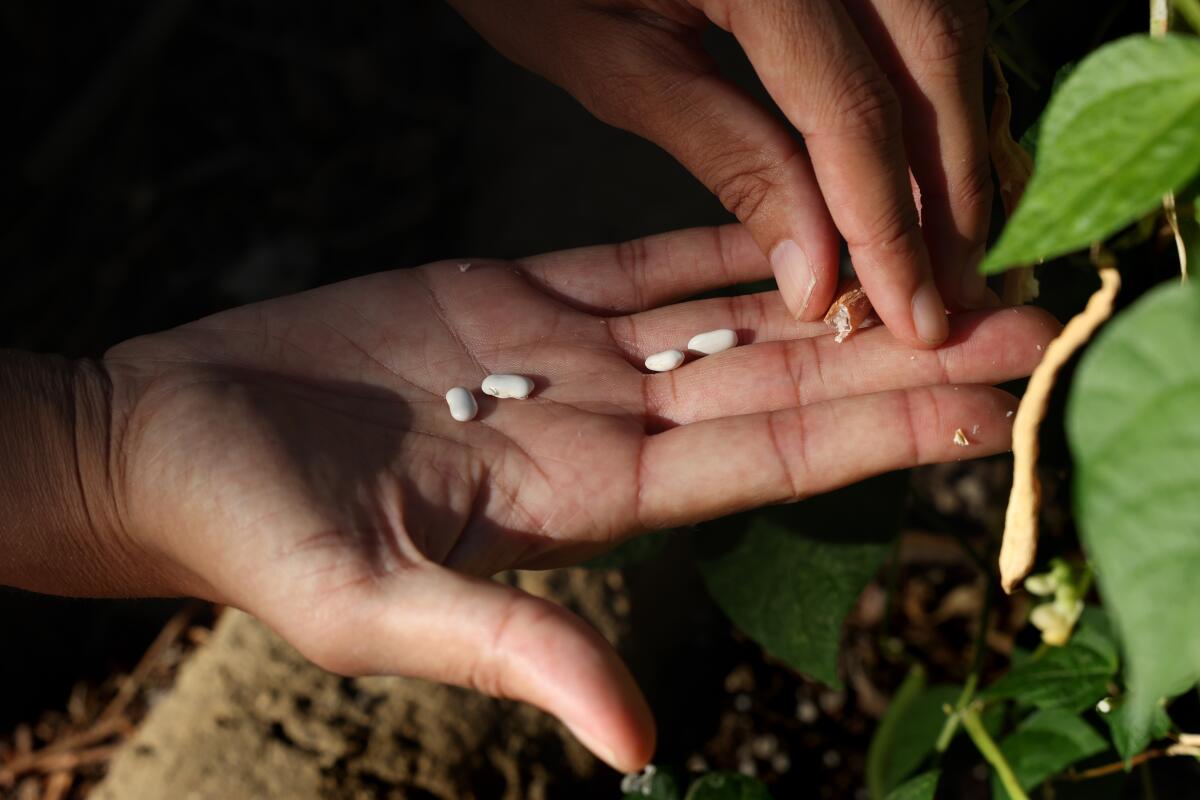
814, 63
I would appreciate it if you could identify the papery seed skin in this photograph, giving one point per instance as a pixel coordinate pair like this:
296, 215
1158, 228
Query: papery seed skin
462, 404
712, 342
515, 387
665, 361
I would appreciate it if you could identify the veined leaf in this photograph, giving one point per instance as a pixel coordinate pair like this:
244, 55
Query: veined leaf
907, 733
1074, 676
1045, 744
1071, 677
921, 787
1134, 430
792, 573
1118, 727
1123, 130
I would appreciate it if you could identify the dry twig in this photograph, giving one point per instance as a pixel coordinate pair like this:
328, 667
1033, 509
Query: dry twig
57, 785
137, 677
62, 757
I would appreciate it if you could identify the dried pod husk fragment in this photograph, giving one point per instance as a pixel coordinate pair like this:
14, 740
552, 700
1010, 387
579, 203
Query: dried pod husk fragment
850, 311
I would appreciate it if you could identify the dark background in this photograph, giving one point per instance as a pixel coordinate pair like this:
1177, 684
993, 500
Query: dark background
165, 160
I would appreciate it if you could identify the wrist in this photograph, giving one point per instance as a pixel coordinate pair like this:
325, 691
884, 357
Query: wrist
62, 528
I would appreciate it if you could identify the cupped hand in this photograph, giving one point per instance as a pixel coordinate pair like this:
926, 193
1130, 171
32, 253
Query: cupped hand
296, 458
887, 95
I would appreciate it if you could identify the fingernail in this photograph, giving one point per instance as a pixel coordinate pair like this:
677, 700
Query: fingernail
974, 283
929, 315
794, 274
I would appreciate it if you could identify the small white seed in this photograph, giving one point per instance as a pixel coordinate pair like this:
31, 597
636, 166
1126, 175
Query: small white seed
665, 361
711, 342
517, 387
462, 404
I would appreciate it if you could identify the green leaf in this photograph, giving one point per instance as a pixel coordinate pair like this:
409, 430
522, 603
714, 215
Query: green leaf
1123, 735
1134, 431
1073, 677
921, 787
1094, 631
1121, 132
1029, 138
727, 786
907, 733
1045, 744
790, 575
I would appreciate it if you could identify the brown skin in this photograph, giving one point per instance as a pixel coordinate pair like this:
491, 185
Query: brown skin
876, 88
295, 458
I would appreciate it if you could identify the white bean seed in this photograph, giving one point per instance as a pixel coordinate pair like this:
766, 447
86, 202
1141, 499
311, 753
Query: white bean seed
462, 404
711, 342
513, 386
665, 361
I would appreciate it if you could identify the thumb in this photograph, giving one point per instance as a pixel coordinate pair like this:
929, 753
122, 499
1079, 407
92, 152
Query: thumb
443, 626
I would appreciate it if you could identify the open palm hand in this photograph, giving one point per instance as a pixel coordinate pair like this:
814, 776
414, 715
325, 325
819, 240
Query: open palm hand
296, 458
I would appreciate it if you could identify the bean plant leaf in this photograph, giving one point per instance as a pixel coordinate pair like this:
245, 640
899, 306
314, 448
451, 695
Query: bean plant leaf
1046, 743
1121, 732
1074, 676
1094, 631
907, 733
727, 786
1120, 133
1134, 431
788, 575
922, 787
1029, 138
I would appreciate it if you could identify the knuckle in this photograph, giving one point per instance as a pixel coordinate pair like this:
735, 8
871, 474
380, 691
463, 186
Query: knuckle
866, 105
745, 189
613, 99
629, 73
969, 189
489, 671
632, 259
951, 32
895, 231
973, 190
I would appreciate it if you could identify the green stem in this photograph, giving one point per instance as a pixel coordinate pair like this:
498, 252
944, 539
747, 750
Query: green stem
950, 727
987, 746
1190, 9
